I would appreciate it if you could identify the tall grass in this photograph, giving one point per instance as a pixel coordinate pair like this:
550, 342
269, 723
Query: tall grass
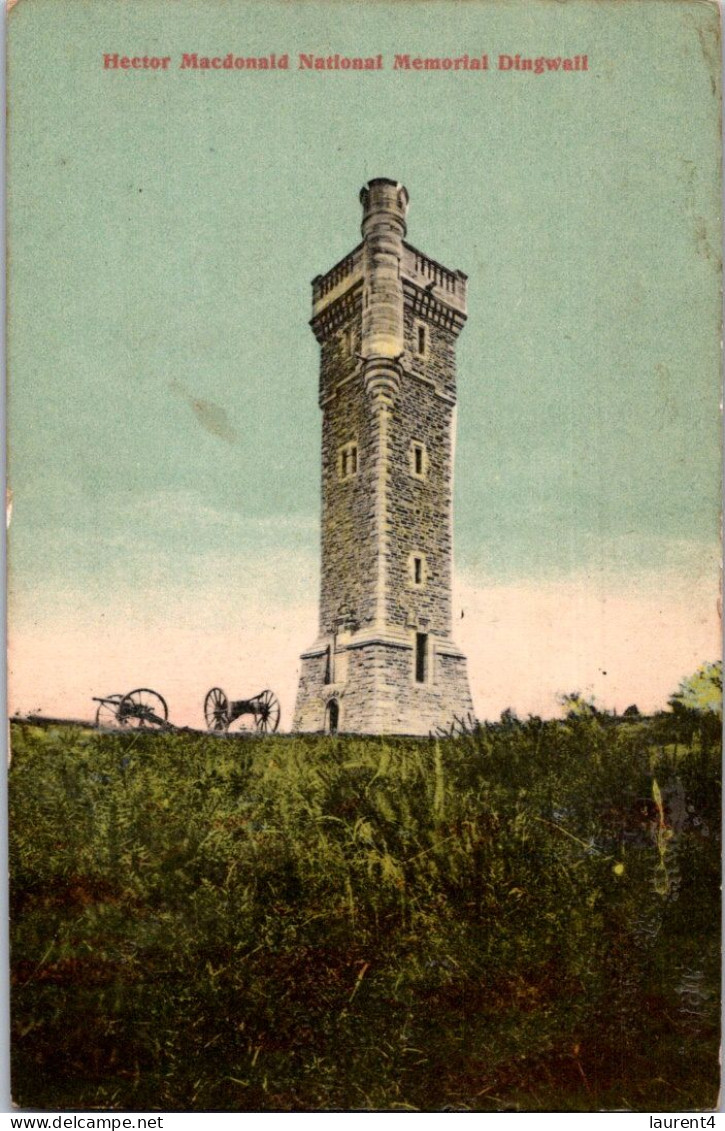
521, 918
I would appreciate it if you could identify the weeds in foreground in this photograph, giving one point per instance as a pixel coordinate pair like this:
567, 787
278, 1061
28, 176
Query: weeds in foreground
520, 917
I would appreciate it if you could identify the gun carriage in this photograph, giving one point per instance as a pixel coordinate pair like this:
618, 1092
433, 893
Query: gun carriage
220, 712
138, 709
144, 708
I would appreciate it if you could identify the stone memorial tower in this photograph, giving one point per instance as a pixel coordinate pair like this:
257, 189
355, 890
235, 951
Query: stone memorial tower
387, 318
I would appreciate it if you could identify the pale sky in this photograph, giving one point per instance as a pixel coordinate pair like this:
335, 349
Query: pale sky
164, 428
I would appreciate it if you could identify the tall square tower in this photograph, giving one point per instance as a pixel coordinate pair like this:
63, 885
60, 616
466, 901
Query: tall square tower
387, 318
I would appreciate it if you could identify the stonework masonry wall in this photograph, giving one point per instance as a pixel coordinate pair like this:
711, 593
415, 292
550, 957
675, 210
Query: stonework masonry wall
380, 696
310, 707
420, 515
381, 517
419, 509
439, 362
348, 556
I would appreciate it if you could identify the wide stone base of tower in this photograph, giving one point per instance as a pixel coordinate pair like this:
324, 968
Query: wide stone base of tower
379, 686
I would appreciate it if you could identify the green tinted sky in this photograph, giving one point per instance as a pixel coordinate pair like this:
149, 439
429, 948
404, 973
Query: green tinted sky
164, 228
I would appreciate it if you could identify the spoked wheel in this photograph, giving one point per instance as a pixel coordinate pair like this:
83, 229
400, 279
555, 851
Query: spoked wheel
216, 710
267, 712
143, 708
107, 713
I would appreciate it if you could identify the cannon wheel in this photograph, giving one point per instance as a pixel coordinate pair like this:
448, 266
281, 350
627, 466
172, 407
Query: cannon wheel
143, 708
107, 713
216, 710
267, 712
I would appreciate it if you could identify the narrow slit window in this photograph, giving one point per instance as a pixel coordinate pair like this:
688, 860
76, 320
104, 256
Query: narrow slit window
421, 657
421, 342
418, 460
418, 570
329, 676
348, 460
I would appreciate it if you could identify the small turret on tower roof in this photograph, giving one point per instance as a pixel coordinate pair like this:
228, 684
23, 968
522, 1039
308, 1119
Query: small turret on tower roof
384, 199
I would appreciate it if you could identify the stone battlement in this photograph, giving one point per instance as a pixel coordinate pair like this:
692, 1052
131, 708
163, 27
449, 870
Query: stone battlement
449, 287
338, 279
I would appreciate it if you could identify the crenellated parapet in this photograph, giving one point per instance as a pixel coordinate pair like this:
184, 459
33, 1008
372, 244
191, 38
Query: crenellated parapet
428, 287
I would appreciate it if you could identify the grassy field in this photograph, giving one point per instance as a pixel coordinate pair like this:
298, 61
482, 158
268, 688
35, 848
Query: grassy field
521, 918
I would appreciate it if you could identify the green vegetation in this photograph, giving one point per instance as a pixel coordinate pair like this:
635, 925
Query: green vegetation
521, 918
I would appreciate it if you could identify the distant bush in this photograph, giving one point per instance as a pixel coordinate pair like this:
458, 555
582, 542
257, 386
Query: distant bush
523, 917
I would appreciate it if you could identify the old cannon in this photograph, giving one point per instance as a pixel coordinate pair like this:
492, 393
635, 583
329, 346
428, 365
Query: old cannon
140, 708
220, 713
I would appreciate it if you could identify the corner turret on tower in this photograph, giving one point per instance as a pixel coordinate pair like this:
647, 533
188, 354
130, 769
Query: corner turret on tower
385, 206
